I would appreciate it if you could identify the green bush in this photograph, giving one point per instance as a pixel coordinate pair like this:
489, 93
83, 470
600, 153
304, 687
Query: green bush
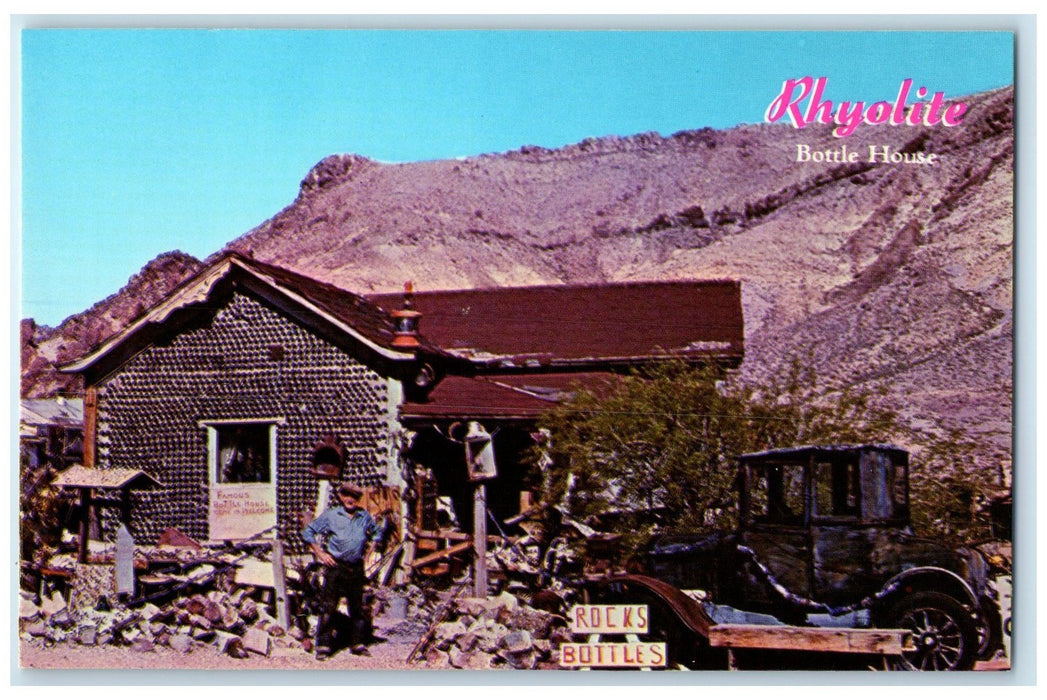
657, 449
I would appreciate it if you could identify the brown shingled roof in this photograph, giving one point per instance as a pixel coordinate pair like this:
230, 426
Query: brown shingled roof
600, 326
354, 314
466, 397
79, 476
504, 396
572, 324
350, 308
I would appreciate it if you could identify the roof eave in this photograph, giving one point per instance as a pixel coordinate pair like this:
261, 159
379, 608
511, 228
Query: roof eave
514, 362
338, 323
409, 417
198, 291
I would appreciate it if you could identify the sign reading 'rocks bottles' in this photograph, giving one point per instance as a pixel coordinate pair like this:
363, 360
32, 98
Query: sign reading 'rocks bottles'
600, 620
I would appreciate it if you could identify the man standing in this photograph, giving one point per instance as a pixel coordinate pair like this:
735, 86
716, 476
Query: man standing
342, 538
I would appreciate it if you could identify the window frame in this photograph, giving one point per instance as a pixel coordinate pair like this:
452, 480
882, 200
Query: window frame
212, 426
852, 511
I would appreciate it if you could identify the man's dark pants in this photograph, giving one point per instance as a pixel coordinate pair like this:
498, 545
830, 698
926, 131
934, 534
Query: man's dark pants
343, 580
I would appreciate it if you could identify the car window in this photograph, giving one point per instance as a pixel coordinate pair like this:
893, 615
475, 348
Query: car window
776, 493
837, 489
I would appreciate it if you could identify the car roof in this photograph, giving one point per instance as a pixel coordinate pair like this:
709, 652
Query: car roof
803, 452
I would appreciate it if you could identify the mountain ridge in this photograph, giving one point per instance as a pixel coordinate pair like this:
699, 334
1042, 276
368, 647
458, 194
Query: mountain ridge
872, 274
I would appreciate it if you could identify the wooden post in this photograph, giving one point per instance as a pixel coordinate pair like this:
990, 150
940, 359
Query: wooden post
85, 519
90, 424
125, 506
480, 541
283, 615
407, 563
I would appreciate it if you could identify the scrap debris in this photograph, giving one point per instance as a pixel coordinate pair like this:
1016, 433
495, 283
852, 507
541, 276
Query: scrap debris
188, 595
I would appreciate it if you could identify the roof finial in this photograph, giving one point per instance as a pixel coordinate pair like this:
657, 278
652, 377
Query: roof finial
405, 321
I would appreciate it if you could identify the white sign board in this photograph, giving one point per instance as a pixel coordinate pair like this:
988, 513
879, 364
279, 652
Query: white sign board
596, 620
609, 619
241, 510
617, 654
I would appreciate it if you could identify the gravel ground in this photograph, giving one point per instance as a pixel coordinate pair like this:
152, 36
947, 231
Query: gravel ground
394, 642
34, 655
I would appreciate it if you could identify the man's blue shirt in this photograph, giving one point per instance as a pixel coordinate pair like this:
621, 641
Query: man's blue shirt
347, 534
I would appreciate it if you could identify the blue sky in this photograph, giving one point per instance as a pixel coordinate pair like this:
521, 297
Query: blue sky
135, 142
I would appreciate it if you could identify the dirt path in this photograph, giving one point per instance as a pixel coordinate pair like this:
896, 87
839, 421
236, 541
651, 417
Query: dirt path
34, 655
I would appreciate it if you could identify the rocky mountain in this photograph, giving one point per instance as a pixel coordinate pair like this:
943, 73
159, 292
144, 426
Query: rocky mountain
45, 349
869, 274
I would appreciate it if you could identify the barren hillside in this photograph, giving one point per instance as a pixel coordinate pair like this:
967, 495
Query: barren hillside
44, 349
889, 274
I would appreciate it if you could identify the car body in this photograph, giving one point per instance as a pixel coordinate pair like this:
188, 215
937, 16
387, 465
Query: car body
825, 531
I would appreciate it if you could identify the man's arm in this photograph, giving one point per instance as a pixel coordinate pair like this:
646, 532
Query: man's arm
325, 558
311, 535
373, 534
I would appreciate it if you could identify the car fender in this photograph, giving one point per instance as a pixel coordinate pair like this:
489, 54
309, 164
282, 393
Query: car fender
927, 578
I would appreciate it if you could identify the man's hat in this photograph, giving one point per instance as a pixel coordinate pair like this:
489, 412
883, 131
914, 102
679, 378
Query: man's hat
349, 489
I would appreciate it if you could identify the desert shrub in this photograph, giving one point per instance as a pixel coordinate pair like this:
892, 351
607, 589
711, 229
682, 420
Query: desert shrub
658, 450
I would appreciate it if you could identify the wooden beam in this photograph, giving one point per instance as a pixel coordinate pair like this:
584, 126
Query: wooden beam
441, 555
85, 520
840, 640
283, 614
90, 425
479, 537
442, 535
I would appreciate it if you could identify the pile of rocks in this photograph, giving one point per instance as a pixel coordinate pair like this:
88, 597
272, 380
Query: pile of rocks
404, 613
496, 632
233, 621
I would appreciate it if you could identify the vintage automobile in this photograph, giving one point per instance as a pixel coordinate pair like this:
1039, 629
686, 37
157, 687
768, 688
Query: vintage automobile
825, 535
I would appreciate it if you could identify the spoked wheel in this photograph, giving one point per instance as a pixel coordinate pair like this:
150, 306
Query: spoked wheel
943, 633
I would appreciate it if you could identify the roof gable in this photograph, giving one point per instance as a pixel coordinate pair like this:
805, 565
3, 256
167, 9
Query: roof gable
307, 298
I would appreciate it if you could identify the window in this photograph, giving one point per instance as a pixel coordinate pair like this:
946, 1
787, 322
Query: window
243, 454
242, 451
836, 489
241, 458
901, 489
777, 493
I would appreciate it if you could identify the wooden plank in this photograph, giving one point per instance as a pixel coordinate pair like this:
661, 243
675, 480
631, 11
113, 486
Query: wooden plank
255, 572
840, 640
385, 502
90, 425
442, 535
455, 549
479, 538
85, 524
441, 555
407, 564
390, 565
283, 614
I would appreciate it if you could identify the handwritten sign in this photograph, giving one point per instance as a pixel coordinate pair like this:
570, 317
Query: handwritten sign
616, 655
596, 620
241, 510
609, 619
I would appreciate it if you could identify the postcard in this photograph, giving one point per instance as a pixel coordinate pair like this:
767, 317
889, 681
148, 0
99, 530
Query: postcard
369, 349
